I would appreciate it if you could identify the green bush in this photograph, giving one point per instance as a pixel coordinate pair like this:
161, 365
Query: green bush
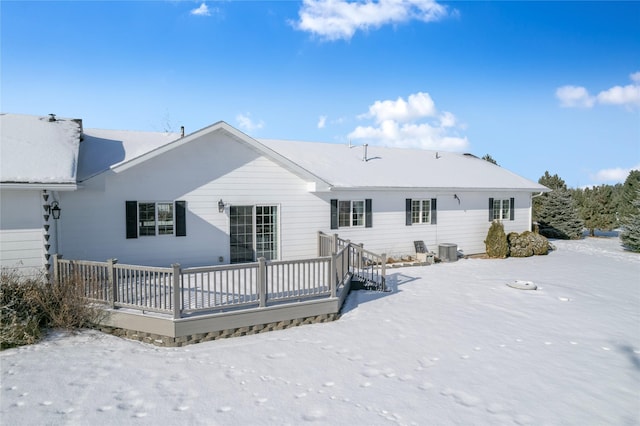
496, 242
29, 306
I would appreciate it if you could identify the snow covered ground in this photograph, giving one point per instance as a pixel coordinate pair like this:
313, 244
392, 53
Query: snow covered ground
452, 344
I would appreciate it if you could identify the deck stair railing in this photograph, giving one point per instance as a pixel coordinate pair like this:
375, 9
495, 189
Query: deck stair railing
364, 265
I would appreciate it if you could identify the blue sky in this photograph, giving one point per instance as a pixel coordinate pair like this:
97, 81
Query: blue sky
540, 86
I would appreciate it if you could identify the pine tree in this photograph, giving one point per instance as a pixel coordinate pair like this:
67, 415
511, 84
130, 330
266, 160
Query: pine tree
552, 182
628, 194
490, 159
630, 235
597, 208
558, 216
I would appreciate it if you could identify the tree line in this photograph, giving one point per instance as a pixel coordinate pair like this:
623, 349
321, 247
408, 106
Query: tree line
566, 213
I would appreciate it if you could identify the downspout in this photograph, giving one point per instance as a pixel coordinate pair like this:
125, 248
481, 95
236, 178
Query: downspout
531, 209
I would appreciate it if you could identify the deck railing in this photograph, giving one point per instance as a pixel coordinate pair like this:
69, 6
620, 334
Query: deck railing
181, 292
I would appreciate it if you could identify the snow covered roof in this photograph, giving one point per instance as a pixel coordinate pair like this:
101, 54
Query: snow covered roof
343, 166
104, 149
38, 151
326, 164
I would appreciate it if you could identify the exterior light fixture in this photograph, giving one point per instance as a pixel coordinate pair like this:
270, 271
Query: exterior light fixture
455, 197
55, 210
221, 206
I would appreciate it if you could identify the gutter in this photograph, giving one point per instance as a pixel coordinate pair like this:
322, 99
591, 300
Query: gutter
39, 186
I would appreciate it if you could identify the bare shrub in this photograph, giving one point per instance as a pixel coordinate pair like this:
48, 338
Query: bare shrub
65, 306
21, 320
30, 305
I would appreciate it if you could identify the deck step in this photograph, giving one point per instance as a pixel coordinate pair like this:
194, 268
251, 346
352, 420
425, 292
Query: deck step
362, 283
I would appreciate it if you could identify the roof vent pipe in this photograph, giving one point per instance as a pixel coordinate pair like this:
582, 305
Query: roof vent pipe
52, 117
182, 131
365, 146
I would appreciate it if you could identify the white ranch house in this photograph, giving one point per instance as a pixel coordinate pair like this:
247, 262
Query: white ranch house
219, 196
193, 237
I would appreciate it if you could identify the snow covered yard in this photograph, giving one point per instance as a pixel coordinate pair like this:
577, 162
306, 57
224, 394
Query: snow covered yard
452, 344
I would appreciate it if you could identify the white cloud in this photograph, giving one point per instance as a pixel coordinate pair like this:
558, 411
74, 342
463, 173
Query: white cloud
574, 96
618, 95
578, 96
322, 121
245, 122
203, 10
414, 123
418, 105
617, 174
340, 19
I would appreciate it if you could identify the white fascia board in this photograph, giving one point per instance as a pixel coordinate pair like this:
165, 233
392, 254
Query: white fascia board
39, 186
435, 189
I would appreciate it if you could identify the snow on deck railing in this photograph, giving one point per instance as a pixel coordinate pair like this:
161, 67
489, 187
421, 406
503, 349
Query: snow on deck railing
181, 292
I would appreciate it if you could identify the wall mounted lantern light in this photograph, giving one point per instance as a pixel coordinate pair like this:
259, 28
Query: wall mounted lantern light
455, 197
55, 210
221, 206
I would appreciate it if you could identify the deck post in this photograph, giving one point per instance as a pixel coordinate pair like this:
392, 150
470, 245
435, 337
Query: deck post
56, 268
112, 282
177, 305
334, 276
319, 244
262, 281
383, 267
334, 243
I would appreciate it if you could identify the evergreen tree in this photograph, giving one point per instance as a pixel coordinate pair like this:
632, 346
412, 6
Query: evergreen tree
630, 235
556, 212
551, 182
596, 208
490, 159
628, 193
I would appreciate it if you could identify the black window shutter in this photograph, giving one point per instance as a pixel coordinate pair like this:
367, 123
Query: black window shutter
434, 211
181, 219
490, 209
334, 214
512, 212
132, 218
407, 210
368, 220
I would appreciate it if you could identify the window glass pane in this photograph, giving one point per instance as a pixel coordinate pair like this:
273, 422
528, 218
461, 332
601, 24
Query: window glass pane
358, 213
426, 209
505, 209
415, 211
165, 218
267, 232
496, 209
344, 213
241, 237
147, 218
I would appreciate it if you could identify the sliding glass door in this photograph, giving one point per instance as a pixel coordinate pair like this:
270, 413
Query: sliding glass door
253, 233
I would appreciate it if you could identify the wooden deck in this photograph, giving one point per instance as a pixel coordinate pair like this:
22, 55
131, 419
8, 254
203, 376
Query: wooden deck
176, 302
